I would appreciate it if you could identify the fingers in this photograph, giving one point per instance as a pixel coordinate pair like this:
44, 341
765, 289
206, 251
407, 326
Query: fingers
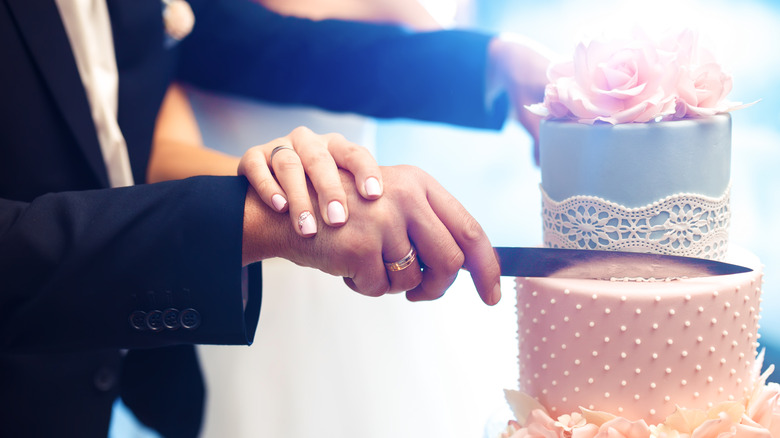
359, 162
254, 166
275, 171
416, 237
438, 252
288, 169
368, 275
441, 260
446, 238
370, 279
403, 273
403, 268
279, 170
322, 170
322, 156
479, 257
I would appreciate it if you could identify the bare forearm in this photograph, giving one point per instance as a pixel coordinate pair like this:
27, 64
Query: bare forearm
176, 160
177, 150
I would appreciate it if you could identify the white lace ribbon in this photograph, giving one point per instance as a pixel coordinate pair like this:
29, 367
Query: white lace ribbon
684, 224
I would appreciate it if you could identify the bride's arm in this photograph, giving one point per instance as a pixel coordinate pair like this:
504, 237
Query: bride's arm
282, 182
177, 147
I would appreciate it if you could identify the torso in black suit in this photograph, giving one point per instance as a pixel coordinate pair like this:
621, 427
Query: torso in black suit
86, 271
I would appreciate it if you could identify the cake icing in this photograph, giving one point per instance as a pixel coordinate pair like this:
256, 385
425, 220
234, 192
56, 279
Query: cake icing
636, 149
635, 155
597, 192
610, 161
638, 349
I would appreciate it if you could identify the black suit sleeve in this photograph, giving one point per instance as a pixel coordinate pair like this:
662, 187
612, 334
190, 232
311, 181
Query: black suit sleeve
238, 47
99, 269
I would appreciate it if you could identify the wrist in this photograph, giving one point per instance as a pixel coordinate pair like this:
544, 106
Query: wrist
264, 231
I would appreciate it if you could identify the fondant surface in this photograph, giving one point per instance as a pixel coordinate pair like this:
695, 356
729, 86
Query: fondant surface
636, 164
637, 349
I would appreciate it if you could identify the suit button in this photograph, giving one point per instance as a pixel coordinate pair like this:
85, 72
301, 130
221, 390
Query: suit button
154, 320
171, 318
190, 319
105, 379
138, 320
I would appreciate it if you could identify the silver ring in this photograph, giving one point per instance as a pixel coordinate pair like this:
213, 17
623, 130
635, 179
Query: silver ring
404, 263
277, 149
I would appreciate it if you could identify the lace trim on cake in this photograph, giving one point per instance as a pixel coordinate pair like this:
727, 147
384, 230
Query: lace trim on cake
684, 224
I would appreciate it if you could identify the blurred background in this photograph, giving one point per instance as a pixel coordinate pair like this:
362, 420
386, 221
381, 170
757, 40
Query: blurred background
328, 362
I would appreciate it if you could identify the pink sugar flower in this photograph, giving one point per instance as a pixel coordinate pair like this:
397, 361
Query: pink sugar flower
637, 80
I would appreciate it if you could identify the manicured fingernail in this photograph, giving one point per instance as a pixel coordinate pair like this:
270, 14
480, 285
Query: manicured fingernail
279, 202
372, 187
307, 224
336, 213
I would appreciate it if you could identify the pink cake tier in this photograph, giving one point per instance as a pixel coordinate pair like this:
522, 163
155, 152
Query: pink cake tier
638, 349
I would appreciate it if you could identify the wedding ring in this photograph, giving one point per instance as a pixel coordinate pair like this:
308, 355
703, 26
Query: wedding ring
404, 263
277, 149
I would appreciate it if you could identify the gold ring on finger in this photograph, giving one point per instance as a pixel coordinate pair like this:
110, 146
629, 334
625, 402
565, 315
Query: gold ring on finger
404, 262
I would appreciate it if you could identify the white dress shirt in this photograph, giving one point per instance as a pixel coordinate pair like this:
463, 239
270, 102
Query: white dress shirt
89, 31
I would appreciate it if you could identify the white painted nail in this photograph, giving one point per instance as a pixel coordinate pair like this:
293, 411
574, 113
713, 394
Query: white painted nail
307, 223
278, 201
372, 187
336, 213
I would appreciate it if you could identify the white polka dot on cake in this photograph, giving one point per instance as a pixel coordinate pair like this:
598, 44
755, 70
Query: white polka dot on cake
662, 364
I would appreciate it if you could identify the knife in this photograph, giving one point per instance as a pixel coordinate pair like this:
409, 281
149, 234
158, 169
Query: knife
606, 265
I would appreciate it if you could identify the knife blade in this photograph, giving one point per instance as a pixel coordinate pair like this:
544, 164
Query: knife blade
605, 265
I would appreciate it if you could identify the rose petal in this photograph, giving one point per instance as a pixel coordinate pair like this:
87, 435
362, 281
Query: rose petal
638, 80
522, 404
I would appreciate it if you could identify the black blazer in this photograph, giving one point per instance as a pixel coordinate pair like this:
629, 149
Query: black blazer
88, 272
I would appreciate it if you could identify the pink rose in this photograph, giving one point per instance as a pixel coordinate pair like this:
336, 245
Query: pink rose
702, 91
703, 84
614, 81
639, 80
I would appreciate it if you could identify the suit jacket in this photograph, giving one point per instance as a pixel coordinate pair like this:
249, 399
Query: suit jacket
87, 272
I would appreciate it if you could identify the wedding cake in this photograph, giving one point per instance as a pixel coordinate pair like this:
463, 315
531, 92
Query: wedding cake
635, 154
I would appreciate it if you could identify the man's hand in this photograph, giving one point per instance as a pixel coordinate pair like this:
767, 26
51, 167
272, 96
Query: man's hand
414, 210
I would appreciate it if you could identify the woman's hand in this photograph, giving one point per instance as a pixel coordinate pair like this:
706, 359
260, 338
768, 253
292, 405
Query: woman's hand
278, 171
178, 152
